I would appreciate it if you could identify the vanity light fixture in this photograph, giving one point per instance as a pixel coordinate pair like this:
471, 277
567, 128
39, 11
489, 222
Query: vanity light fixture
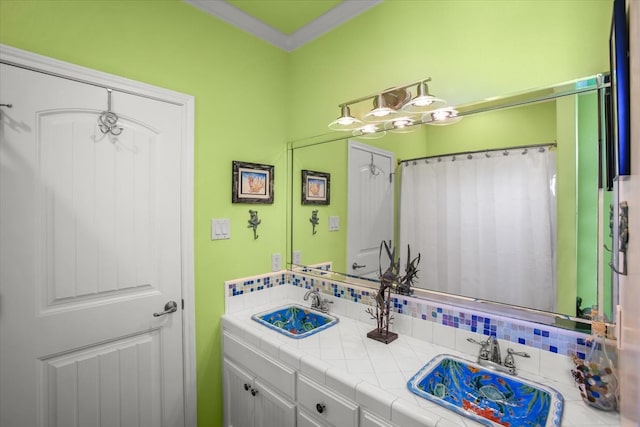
396, 111
441, 117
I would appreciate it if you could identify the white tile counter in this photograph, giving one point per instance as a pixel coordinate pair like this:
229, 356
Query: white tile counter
375, 375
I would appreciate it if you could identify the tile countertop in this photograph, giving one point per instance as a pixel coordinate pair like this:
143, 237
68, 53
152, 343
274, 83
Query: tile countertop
375, 375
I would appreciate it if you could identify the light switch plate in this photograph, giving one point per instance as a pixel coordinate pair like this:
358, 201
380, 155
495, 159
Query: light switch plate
220, 228
334, 223
296, 258
276, 262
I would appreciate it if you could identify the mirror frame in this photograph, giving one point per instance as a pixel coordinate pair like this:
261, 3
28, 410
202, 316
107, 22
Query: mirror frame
547, 93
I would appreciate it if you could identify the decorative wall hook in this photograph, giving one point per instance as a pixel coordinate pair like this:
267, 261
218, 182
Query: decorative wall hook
314, 220
108, 120
610, 226
623, 238
254, 222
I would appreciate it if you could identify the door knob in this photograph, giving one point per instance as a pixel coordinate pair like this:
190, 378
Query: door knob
356, 266
169, 307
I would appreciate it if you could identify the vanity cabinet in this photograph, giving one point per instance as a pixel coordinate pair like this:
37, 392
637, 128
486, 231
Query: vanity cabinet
250, 402
260, 391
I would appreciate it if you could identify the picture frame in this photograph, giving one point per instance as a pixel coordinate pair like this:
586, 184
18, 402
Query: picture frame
252, 183
316, 188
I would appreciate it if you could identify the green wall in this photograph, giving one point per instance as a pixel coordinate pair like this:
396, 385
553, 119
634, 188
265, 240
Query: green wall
473, 49
587, 200
173, 45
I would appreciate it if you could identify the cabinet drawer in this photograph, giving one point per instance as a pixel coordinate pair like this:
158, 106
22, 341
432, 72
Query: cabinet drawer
279, 376
367, 419
325, 404
307, 420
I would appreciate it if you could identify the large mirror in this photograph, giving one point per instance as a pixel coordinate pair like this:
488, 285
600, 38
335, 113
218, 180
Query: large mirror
371, 200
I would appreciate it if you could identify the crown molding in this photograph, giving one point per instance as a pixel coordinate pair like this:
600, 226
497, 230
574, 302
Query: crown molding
324, 23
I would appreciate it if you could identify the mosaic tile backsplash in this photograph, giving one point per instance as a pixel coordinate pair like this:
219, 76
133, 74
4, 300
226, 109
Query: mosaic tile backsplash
256, 283
554, 340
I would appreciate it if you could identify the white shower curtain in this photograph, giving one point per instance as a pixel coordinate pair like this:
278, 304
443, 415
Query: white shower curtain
484, 225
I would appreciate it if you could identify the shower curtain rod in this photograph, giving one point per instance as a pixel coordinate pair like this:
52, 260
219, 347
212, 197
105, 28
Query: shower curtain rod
469, 153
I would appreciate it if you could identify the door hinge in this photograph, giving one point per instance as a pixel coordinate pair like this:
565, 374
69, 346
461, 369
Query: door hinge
391, 177
182, 304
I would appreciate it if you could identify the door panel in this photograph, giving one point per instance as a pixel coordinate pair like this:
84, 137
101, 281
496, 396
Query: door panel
238, 402
79, 388
273, 409
370, 208
90, 249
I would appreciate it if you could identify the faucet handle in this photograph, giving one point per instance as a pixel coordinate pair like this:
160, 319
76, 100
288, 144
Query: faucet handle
517, 353
509, 361
484, 347
480, 343
324, 305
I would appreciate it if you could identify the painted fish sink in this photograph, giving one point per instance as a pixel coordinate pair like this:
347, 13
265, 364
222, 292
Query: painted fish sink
487, 396
295, 321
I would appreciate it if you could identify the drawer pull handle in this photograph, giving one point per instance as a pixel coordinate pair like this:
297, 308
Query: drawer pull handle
254, 392
320, 407
246, 387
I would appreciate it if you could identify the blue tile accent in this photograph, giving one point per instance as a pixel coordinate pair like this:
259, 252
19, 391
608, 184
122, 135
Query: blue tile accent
554, 340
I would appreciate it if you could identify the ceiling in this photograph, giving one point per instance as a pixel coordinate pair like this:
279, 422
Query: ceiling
287, 24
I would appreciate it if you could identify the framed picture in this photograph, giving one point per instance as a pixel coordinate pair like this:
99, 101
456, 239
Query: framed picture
252, 183
315, 188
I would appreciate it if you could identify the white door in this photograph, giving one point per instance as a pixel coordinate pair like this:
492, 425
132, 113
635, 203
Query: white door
90, 249
370, 211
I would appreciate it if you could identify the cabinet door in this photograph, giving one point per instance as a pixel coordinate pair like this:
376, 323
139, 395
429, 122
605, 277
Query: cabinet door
238, 401
271, 409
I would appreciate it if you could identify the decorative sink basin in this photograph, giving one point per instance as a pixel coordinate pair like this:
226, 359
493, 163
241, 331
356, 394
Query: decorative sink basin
489, 397
295, 321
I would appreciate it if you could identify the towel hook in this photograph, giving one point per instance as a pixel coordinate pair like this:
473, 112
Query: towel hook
108, 120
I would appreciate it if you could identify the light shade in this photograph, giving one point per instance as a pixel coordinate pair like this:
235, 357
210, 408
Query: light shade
369, 131
441, 117
381, 112
423, 101
346, 122
404, 124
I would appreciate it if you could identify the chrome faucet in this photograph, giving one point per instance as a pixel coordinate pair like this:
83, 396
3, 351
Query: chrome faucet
317, 302
494, 350
315, 295
490, 355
